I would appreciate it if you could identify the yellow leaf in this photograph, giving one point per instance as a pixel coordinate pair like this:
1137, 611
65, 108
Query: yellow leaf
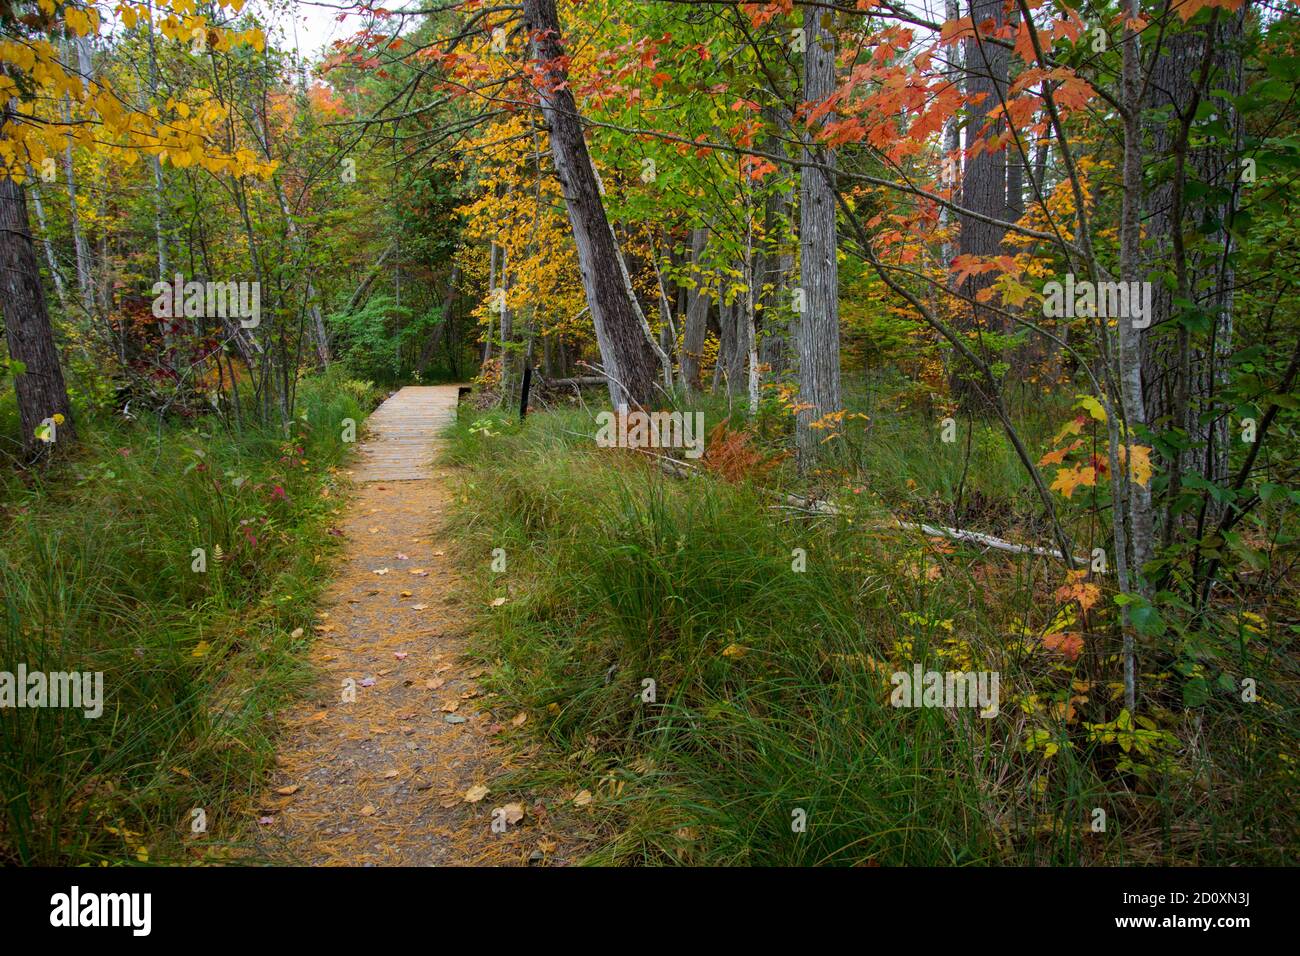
1140, 467
1092, 406
1072, 427
1067, 479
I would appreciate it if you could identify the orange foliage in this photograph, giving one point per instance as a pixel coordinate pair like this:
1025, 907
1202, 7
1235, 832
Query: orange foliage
731, 455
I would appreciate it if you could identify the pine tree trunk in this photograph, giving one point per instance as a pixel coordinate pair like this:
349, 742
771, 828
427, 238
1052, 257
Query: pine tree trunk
39, 387
629, 362
1181, 374
984, 179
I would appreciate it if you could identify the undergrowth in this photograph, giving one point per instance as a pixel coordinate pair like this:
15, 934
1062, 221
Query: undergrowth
720, 706
198, 648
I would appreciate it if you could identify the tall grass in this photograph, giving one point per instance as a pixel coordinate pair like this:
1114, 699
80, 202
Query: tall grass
97, 574
771, 685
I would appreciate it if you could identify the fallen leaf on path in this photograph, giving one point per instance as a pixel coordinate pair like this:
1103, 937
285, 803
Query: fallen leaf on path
514, 812
368, 810
475, 793
582, 798
450, 707
418, 607
519, 719
381, 571
289, 790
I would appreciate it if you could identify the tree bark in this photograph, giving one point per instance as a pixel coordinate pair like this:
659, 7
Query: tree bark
59, 288
697, 315
775, 260
1180, 374
818, 336
39, 387
984, 179
626, 354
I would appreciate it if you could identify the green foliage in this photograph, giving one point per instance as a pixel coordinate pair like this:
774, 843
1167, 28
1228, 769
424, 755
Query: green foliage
369, 339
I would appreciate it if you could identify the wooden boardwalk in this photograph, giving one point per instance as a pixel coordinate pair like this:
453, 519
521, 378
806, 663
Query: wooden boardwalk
403, 432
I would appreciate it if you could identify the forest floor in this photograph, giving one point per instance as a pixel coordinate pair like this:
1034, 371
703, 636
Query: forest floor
399, 775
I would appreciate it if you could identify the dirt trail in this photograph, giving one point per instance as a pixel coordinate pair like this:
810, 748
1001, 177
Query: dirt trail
382, 779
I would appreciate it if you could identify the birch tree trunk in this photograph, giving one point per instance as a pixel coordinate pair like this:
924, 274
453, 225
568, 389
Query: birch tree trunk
951, 132
697, 315
59, 288
85, 281
1130, 365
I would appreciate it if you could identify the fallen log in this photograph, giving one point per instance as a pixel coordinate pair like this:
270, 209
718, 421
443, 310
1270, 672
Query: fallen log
578, 382
680, 469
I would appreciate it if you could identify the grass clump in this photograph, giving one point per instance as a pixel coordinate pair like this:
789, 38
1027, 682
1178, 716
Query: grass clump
716, 672
99, 572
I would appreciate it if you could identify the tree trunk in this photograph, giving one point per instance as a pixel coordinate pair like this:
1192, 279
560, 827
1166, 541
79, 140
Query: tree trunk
984, 179
59, 288
775, 260
629, 362
697, 315
951, 168
1180, 374
818, 335
39, 387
